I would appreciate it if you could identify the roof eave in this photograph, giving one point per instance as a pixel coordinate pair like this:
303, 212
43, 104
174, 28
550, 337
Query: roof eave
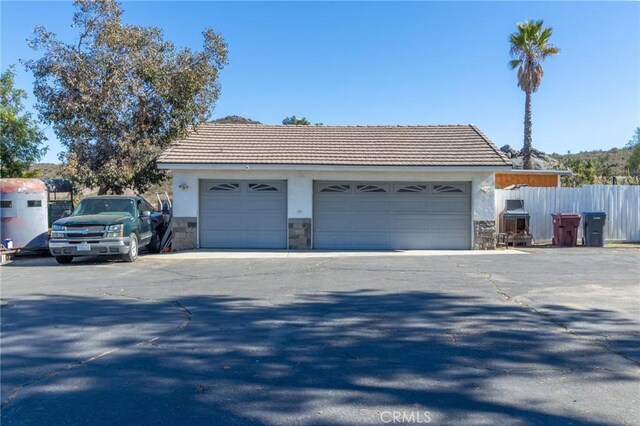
540, 172
326, 167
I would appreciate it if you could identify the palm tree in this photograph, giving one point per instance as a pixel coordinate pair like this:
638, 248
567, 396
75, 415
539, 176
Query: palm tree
529, 48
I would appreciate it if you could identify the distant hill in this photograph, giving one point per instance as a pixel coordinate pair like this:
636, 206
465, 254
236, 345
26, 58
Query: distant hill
47, 170
235, 119
615, 158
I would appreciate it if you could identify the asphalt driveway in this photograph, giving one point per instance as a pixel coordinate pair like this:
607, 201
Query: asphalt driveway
546, 337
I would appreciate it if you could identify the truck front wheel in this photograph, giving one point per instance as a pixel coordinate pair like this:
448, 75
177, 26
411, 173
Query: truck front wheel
132, 255
64, 260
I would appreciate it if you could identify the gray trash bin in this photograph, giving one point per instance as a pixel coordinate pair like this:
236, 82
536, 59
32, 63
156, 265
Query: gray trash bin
593, 227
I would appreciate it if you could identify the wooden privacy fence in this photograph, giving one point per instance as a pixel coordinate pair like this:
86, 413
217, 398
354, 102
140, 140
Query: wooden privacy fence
620, 202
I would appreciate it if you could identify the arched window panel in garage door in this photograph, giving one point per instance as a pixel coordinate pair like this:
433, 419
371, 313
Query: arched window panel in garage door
369, 188
265, 187
225, 186
411, 189
334, 188
449, 189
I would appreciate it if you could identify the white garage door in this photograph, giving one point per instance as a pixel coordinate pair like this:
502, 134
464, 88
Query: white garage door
392, 215
243, 214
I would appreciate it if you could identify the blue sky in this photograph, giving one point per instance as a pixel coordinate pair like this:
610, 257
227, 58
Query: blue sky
395, 63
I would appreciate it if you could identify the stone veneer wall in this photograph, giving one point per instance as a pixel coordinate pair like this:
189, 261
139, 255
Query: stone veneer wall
185, 233
299, 234
484, 233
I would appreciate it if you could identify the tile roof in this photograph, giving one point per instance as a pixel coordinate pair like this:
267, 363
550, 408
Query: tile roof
454, 145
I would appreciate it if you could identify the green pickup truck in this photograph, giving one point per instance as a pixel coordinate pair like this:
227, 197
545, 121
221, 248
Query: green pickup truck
108, 225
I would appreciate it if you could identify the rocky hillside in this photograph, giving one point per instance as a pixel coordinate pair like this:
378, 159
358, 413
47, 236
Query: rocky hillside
539, 160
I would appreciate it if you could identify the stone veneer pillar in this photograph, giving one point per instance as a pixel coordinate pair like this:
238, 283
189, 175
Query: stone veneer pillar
299, 234
185, 233
484, 234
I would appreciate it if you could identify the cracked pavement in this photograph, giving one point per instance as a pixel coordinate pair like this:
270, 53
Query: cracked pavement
547, 337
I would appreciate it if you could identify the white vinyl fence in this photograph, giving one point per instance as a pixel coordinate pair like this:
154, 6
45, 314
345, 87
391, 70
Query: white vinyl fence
620, 202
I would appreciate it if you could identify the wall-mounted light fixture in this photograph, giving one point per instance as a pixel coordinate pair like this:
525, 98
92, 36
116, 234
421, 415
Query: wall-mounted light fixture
485, 189
183, 186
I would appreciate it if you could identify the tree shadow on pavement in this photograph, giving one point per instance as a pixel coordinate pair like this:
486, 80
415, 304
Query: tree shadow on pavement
332, 358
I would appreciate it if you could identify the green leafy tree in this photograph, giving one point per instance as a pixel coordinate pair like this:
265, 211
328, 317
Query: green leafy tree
633, 162
121, 94
530, 46
585, 172
293, 120
603, 168
21, 139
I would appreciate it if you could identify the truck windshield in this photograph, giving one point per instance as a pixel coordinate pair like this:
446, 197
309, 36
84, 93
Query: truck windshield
105, 206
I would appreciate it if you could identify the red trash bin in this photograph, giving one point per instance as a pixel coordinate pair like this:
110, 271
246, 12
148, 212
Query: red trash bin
565, 229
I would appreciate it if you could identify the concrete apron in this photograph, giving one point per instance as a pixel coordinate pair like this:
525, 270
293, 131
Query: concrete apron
281, 254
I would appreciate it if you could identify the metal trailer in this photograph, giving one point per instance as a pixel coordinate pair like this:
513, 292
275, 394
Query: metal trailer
23, 213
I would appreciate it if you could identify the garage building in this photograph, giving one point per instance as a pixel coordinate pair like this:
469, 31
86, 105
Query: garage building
260, 186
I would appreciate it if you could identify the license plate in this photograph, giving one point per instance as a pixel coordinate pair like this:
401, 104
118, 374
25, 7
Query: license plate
84, 247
